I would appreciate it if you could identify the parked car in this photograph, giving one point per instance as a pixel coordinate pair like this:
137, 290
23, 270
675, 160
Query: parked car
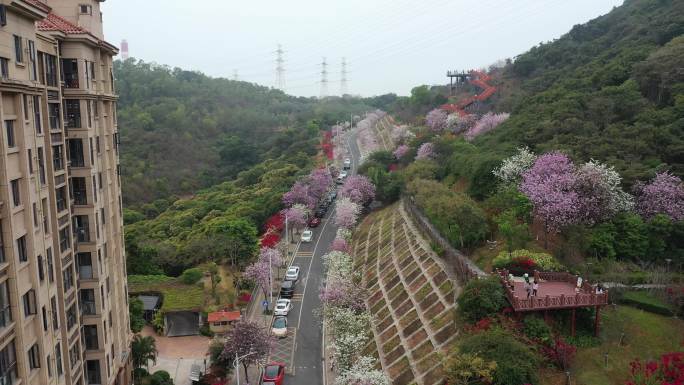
292, 273
332, 195
320, 212
314, 222
282, 307
343, 174
287, 289
274, 373
339, 179
279, 327
307, 236
347, 163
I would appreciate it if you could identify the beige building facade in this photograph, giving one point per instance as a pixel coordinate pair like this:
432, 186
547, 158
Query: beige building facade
63, 296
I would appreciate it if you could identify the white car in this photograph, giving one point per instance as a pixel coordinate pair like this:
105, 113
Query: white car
282, 307
343, 174
347, 163
279, 327
292, 273
307, 236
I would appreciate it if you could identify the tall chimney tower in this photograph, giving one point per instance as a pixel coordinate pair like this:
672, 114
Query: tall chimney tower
124, 49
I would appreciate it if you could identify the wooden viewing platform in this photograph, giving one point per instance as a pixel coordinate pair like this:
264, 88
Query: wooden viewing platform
557, 290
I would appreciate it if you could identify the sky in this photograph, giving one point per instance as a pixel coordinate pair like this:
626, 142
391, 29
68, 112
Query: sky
389, 45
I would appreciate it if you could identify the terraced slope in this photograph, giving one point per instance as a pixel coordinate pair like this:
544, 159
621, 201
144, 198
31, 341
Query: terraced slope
410, 296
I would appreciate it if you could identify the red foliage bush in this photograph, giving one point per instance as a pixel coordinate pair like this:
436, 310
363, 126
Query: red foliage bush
669, 370
560, 353
525, 263
245, 297
270, 239
275, 222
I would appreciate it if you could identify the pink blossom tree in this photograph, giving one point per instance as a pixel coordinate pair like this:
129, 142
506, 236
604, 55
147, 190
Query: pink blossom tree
358, 189
549, 184
342, 292
249, 340
664, 194
346, 213
271, 256
339, 244
487, 122
260, 273
299, 194
296, 216
599, 193
319, 182
426, 151
401, 151
436, 120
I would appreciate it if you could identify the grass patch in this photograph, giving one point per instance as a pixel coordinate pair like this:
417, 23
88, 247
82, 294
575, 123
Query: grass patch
642, 299
176, 295
647, 336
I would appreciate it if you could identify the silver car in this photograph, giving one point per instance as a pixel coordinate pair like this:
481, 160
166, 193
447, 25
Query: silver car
292, 273
282, 307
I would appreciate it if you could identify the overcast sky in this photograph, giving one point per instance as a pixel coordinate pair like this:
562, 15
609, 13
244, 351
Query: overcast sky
390, 45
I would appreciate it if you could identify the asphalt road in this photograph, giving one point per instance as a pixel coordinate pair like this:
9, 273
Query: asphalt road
307, 362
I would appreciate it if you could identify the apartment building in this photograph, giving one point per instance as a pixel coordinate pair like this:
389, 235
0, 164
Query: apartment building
63, 296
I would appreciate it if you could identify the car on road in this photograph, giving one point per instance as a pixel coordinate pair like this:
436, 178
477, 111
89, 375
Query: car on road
343, 174
292, 273
279, 327
314, 222
320, 212
282, 307
287, 289
332, 195
274, 373
347, 163
307, 236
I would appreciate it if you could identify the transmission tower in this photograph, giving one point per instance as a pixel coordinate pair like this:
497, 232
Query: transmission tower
280, 69
343, 78
324, 79
235, 75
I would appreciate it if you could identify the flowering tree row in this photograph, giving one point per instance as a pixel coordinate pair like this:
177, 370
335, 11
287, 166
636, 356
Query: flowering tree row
366, 137
310, 190
470, 125
261, 271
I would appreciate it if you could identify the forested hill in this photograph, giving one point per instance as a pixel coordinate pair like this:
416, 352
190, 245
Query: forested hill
610, 89
182, 131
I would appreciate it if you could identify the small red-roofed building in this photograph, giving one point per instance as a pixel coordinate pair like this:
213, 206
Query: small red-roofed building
221, 321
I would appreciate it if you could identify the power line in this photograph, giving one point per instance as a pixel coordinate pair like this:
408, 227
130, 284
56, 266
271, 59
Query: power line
280, 69
324, 79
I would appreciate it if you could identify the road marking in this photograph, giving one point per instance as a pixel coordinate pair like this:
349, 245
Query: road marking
304, 254
308, 270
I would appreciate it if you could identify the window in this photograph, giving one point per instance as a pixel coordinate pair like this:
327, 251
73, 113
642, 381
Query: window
64, 239
53, 115
41, 165
72, 113
45, 320
89, 113
93, 372
85, 9
71, 317
99, 180
55, 315
5, 309
61, 197
3, 15
16, 195
58, 359
4, 67
8, 365
102, 214
102, 295
50, 266
97, 225
2, 247
29, 300
24, 97
49, 366
68, 276
92, 155
81, 228
70, 73
30, 160
18, 49
36, 114
9, 129
51, 70
35, 215
97, 144
116, 142
34, 357
58, 157
41, 271
74, 354
90, 337
46, 226
85, 265
32, 60
87, 297
78, 188
21, 249
76, 152
94, 189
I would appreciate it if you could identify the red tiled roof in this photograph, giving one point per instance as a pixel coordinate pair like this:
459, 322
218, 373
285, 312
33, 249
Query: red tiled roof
55, 23
223, 316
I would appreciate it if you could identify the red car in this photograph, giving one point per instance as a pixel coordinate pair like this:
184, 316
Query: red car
274, 372
314, 222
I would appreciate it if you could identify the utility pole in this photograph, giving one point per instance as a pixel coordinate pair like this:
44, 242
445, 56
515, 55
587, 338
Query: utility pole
324, 79
280, 68
343, 78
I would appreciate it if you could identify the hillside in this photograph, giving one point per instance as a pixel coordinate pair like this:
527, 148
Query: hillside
182, 131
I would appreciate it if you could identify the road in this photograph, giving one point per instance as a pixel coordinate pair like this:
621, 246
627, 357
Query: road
305, 339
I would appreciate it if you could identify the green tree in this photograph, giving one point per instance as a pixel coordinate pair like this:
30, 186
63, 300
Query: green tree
659, 229
161, 377
233, 239
468, 369
632, 242
191, 276
514, 232
144, 349
136, 312
602, 240
481, 298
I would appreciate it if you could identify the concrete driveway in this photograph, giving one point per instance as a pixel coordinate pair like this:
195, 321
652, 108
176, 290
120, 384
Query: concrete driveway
177, 354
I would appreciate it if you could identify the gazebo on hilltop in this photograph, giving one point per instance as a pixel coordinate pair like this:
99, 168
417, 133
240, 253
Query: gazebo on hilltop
557, 291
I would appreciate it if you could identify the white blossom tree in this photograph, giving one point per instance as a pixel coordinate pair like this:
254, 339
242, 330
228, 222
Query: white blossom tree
363, 372
513, 167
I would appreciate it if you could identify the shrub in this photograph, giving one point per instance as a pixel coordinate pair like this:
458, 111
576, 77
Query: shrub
521, 258
466, 369
560, 353
191, 276
644, 301
668, 370
536, 328
161, 377
516, 363
481, 298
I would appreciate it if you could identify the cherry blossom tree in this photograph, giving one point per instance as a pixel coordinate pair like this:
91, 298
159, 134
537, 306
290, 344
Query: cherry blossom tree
358, 189
400, 134
248, 340
487, 122
426, 151
465, 123
452, 122
549, 184
296, 216
260, 273
299, 194
346, 213
401, 151
319, 182
436, 120
271, 256
339, 244
600, 194
349, 330
664, 194
363, 372
512, 168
